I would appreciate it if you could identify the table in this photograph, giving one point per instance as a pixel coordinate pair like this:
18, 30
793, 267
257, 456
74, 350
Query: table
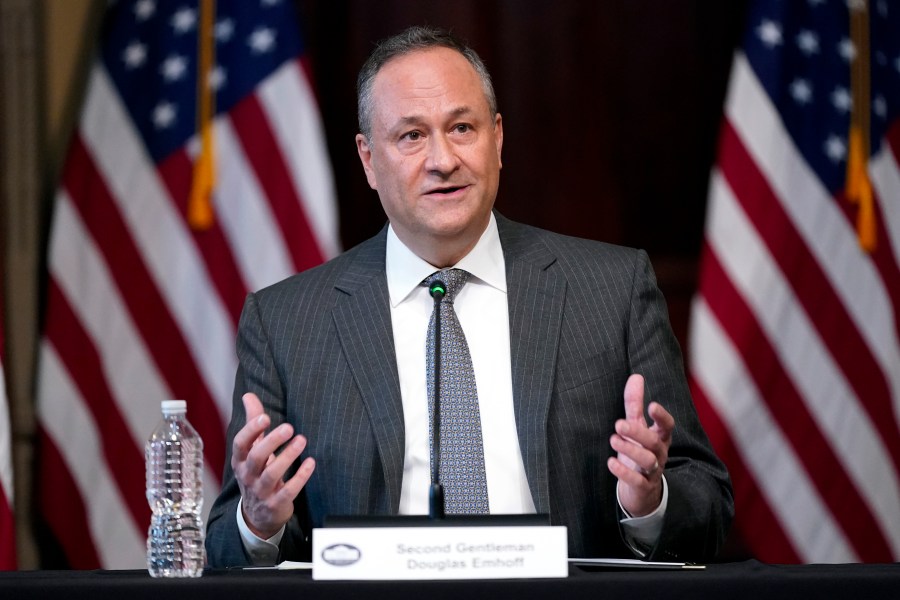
734, 581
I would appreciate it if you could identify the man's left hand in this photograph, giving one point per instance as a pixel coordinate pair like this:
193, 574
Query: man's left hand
642, 451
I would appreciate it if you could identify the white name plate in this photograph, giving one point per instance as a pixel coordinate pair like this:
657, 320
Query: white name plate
492, 552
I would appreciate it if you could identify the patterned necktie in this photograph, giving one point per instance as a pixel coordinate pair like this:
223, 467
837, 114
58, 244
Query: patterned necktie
462, 452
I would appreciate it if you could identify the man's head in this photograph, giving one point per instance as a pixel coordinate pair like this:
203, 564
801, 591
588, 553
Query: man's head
430, 141
405, 42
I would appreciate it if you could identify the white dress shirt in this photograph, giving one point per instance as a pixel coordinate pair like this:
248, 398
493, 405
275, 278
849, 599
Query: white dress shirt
483, 311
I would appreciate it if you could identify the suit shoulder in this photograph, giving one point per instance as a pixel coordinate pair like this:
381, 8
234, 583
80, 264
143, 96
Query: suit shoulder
578, 245
580, 254
322, 279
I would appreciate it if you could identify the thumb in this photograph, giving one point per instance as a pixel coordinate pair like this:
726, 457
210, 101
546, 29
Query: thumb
634, 399
252, 406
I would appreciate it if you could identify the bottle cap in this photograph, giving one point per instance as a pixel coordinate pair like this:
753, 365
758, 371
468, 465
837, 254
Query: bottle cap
173, 407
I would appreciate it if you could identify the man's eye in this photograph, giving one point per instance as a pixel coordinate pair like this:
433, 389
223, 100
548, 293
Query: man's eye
462, 128
413, 136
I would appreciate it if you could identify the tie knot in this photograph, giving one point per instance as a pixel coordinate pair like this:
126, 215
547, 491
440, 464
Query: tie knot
454, 279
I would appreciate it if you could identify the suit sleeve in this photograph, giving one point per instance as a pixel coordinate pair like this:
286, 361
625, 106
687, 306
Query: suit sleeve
257, 373
700, 504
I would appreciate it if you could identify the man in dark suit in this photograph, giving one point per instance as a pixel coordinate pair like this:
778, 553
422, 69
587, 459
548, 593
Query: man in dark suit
560, 329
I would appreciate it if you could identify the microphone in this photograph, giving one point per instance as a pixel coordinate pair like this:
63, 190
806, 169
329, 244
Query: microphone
437, 289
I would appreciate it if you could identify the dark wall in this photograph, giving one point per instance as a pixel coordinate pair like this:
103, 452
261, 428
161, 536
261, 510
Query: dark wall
610, 112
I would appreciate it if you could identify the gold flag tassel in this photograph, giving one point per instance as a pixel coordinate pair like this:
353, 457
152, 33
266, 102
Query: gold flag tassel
858, 187
200, 210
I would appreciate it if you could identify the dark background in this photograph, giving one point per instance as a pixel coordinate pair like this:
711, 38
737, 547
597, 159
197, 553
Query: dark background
610, 112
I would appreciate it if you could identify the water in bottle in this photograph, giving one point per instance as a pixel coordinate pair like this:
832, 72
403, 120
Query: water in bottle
174, 455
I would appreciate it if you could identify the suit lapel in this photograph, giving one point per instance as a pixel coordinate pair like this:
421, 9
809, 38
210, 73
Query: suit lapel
363, 323
536, 295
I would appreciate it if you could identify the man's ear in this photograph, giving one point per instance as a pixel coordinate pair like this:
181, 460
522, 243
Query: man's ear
365, 156
498, 138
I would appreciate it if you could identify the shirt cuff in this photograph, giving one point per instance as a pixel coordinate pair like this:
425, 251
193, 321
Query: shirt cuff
263, 553
641, 533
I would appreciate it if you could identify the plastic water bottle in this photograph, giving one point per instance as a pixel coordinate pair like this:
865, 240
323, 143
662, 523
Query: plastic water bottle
174, 455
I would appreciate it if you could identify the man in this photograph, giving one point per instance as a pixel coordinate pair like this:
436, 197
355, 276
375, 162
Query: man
333, 361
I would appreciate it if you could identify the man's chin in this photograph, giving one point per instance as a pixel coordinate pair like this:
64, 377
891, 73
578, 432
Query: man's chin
448, 231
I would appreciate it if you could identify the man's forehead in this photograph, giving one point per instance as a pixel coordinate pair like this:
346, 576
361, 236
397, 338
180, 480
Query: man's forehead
430, 54
424, 76
424, 66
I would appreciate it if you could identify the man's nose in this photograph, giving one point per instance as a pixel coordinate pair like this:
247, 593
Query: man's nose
442, 157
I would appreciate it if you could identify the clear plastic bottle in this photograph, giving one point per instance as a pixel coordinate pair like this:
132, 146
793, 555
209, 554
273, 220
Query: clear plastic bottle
174, 455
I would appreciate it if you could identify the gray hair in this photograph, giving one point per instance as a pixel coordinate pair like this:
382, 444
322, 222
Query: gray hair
406, 42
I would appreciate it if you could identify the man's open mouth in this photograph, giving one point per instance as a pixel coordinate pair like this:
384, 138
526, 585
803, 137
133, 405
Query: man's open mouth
446, 190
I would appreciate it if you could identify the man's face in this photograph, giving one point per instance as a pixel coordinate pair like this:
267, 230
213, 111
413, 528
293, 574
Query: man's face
434, 153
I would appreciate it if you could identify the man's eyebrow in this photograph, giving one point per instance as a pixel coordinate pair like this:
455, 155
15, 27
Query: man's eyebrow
416, 119
409, 120
462, 110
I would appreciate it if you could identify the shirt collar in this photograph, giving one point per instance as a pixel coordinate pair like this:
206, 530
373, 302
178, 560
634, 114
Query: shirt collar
406, 271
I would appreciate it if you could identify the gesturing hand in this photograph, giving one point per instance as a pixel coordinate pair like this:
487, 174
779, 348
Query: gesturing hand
642, 451
267, 499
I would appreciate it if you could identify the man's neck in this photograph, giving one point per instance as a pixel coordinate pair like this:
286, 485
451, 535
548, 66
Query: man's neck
441, 255
442, 252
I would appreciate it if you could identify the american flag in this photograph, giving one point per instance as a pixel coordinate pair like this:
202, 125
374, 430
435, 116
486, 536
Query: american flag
795, 341
7, 522
143, 302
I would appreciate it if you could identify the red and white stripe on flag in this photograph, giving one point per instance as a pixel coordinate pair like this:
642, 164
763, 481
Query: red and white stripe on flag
7, 522
794, 350
140, 306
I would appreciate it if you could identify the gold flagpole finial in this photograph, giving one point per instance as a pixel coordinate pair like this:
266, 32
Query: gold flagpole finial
200, 210
858, 187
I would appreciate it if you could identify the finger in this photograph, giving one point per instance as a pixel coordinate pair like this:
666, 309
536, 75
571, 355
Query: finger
640, 434
626, 475
247, 436
618, 443
252, 405
295, 484
663, 421
259, 454
277, 466
634, 456
253, 410
634, 399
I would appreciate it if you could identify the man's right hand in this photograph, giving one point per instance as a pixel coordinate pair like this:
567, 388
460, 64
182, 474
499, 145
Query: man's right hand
267, 500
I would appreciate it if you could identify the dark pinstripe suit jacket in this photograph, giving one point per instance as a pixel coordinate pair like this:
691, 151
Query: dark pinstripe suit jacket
318, 350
